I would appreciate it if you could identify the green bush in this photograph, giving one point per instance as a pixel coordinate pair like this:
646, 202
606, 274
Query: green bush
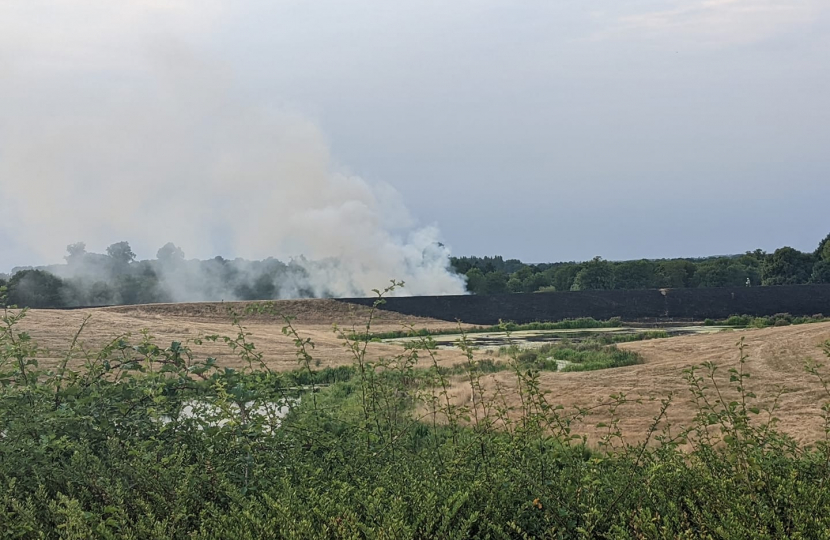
779, 319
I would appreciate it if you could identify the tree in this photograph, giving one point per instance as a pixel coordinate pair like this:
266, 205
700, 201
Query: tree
475, 281
169, 253
495, 282
786, 266
823, 251
515, 285
563, 276
725, 272
76, 253
101, 294
121, 253
522, 273
264, 287
675, 273
635, 275
537, 281
821, 272
597, 274
129, 289
35, 289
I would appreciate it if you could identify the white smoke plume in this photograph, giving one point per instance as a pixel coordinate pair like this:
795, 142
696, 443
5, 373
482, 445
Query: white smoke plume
184, 157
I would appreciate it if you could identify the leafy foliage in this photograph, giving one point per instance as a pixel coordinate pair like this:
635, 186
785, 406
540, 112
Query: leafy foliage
787, 266
783, 267
779, 319
821, 272
596, 274
36, 288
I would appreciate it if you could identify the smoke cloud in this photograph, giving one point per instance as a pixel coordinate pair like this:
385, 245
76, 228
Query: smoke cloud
180, 155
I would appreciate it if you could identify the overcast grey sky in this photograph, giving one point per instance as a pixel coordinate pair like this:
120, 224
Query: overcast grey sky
539, 130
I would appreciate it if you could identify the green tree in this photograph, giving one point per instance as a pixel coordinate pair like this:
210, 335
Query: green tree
597, 274
823, 251
523, 273
675, 273
563, 276
821, 272
787, 266
121, 253
635, 275
725, 272
495, 282
515, 285
475, 281
536, 281
35, 289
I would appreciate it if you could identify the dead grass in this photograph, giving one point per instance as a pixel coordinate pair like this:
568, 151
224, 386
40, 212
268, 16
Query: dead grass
777, 356
776, 360
53, 329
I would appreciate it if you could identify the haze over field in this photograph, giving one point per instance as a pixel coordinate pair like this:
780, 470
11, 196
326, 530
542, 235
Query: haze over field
543, 131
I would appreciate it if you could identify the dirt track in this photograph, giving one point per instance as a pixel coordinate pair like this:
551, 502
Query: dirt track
776, 355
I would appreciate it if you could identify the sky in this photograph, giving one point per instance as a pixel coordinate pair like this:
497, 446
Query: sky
538, 130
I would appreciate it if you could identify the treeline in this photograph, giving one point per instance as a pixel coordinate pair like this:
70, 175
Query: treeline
784, 266
117, 278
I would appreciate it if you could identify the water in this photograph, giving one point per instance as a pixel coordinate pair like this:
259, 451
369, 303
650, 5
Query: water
269, 414
536, 338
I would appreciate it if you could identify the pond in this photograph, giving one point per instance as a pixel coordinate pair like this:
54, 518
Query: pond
269, 413
537, 338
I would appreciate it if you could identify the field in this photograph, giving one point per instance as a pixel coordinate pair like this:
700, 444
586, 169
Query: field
776, 361
53, 329
776, 356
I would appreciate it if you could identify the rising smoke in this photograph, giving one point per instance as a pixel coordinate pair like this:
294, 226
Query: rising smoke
181, 156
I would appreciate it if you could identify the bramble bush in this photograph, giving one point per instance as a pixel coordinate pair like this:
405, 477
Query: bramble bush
140, 440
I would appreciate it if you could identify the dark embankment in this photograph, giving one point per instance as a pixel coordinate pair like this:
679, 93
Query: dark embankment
697, 304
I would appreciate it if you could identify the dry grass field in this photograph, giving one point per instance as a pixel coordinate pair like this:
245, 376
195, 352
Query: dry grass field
776, 361
54, 329
776, 355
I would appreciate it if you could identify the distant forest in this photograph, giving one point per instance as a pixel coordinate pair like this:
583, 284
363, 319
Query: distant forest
116, 277
784, 266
